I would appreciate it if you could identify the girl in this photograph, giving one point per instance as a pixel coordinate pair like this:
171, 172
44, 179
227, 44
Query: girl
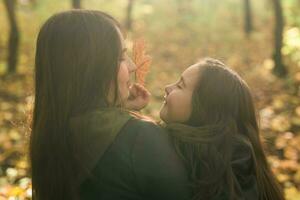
84, 144
210, 115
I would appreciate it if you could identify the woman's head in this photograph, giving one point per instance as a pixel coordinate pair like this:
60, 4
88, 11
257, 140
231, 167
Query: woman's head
80, 64
78, 57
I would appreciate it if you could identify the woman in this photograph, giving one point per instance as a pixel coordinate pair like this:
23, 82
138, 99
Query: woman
210, 115
84, 144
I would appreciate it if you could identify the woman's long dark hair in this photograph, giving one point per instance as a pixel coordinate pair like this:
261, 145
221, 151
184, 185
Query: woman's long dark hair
222, 125
77, 58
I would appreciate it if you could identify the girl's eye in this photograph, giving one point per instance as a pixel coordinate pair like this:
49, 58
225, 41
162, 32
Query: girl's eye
179, 84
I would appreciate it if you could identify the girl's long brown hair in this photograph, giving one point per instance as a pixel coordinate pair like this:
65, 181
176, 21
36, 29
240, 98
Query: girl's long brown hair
223, 121
77, 57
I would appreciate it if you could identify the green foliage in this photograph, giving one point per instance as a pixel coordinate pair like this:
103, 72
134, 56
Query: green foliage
292, 12
292, 44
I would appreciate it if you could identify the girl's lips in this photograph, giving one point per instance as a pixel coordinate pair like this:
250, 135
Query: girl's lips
165, 99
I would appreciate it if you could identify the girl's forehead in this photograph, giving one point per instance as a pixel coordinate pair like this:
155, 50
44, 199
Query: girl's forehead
193, 69
191, 75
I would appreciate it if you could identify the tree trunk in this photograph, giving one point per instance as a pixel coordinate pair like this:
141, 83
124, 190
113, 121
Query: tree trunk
76, 4
279, 68
128, 23
248, 27
13, 42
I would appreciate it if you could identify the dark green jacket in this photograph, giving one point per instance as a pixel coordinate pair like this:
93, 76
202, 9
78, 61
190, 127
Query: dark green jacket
137, 162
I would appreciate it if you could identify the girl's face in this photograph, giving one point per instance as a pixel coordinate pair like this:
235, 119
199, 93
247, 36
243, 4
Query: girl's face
177, 106
127, 67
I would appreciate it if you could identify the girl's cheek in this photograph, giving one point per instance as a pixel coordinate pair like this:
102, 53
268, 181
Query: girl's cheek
170, 102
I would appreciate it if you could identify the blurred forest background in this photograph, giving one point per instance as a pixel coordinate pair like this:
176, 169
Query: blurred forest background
258, 38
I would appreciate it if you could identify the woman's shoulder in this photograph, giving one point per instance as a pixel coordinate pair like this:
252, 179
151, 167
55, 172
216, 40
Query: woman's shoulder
159, 171
144, 129
149, 142
137, 124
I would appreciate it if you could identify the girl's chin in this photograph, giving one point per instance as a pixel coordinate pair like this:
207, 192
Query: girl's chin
163, 107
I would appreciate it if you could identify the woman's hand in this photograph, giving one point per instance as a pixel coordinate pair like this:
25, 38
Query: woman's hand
139, 97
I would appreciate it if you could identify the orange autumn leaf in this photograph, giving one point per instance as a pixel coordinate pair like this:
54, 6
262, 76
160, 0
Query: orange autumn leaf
141, 60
